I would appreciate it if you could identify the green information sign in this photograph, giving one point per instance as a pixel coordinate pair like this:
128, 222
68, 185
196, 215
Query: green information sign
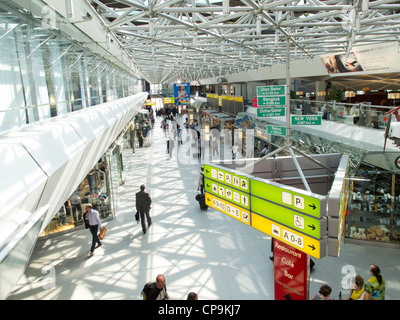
306, 120
267, 91
270, 112
224, 192
271, 101
229, 178
276, 131
305, 202
312, 227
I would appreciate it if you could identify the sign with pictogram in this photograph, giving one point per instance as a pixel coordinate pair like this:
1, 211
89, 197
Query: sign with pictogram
314, 247
308, 225
227, 193
228, 208
303, 201
229, 178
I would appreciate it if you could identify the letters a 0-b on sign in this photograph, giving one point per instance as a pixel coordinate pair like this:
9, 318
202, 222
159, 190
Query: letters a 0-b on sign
313, 247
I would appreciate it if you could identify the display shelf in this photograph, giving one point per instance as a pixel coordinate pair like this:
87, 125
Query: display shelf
374, 226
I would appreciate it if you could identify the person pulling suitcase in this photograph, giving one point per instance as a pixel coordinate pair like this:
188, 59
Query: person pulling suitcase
201, 197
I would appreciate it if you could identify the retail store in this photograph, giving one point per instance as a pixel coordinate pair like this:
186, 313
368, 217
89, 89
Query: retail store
99, 187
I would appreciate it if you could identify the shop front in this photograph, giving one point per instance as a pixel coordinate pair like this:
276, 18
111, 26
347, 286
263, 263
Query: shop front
99, 188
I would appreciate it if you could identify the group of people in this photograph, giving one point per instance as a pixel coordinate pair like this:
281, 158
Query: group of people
373, 289
143, 125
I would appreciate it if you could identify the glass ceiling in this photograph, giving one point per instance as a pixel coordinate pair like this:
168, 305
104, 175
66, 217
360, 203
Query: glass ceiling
193, 40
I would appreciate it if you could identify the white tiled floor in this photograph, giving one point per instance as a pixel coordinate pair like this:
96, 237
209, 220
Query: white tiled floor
202, 251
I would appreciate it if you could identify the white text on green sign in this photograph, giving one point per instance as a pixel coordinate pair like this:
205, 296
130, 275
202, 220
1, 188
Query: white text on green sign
229, 194
306, 120
276, 131
267, 91
271, 101
312, 227
229, 178
308, 203
270, 112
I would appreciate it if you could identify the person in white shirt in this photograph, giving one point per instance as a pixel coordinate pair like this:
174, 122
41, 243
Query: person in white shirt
93, 217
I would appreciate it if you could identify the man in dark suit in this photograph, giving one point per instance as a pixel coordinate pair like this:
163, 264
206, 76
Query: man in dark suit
143, 203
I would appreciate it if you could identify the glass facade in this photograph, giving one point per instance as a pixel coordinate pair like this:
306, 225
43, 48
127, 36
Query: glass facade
49, 68
46, 72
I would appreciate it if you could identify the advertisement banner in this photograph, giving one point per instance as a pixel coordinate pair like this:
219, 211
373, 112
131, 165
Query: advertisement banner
182, 93
368, 59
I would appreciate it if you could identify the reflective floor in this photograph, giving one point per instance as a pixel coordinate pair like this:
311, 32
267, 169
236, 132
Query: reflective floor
202, 251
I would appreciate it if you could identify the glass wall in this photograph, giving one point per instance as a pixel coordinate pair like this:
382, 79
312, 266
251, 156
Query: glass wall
45, 72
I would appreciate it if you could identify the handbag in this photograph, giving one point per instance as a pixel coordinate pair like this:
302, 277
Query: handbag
103, 232
85, 220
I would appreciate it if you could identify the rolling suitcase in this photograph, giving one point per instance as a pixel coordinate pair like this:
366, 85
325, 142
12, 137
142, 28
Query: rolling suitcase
201, 198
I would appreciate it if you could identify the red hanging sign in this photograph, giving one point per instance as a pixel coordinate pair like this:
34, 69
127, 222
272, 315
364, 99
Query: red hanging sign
291, 272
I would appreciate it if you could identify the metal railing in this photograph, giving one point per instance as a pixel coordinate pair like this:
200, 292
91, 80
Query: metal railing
361, 114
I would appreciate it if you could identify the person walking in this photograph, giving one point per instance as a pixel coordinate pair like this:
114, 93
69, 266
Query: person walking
200, 183
179, 133
156, 290
93, 218
170, 146
375, 286
143, 206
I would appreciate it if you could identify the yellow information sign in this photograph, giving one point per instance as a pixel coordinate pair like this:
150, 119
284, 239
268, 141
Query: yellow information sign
308, 245
228, 208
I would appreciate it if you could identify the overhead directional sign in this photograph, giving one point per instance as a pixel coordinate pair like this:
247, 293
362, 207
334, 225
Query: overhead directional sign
230, 178
276, 130
303, 201
268, 91
312, 227
312, 120
271, 101
227, 193
313, 247
297, 217
228, 208
271, 95
270, 112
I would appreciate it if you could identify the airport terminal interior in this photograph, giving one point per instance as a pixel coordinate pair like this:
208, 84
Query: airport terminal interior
255, 126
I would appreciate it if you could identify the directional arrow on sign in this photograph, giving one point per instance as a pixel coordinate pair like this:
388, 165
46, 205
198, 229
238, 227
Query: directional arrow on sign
312, 206
312, 247
293, 219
